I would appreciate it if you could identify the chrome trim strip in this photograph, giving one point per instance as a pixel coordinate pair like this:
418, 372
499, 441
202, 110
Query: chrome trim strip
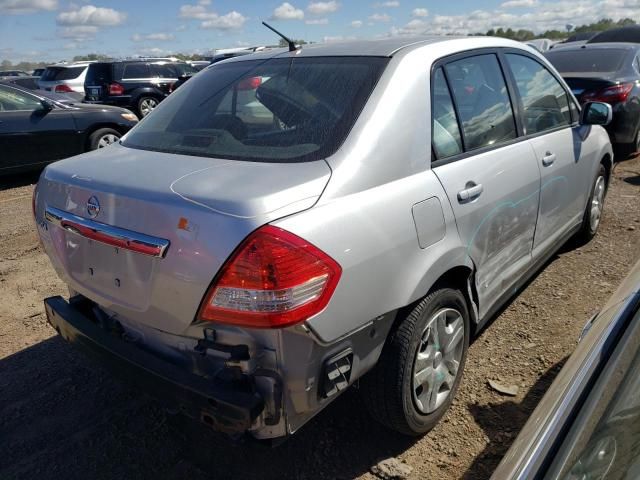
107, 234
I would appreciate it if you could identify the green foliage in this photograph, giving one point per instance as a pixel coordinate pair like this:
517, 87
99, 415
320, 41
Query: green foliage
283, 43
525, 35
24, 66
90, 57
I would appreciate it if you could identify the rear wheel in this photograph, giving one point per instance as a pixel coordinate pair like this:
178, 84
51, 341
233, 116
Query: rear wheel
103, 137
635, 146
595, 207
421, 365
145, 105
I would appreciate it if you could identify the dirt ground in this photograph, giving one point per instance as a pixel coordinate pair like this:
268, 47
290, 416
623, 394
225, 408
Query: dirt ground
61, 417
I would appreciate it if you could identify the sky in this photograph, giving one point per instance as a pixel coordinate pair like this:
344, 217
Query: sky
52, 30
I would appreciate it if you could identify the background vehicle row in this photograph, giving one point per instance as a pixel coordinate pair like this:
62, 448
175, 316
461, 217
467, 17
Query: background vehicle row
36, 130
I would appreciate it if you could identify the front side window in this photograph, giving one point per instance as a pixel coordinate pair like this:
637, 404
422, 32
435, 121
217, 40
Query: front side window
275, 110
12, 100
445, 132
545, 102
481, 97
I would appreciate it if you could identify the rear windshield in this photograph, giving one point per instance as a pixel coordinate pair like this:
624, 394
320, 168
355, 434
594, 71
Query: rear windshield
587, 60
98, 73
61, 73
278, 110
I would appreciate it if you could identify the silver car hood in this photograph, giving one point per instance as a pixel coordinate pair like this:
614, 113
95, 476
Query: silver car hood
228, 187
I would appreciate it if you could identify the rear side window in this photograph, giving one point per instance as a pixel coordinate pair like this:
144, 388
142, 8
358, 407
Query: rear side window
276, 110
136, 70
482, 101
163, 70
587, 60
171, 70
61, 73
544, 100
445, 132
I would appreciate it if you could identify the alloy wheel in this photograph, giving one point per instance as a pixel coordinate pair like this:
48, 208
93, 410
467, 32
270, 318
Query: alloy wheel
107, 140
147, 105
597, 203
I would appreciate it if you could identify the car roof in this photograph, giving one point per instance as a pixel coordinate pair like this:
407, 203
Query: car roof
69, 65
382, 47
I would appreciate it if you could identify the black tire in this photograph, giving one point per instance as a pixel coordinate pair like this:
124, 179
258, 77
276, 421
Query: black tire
103, 137
589, 228
628, 150
143, 102
388, 391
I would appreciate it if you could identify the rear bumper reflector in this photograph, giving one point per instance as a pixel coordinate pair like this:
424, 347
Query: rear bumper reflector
107, 234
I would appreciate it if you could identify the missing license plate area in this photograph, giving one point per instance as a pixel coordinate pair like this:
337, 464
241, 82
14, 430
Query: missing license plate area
122, 276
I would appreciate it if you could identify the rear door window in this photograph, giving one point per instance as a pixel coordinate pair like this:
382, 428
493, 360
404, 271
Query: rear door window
163, 70
136, 70
278, 110
544, 100
482, 101
445, 131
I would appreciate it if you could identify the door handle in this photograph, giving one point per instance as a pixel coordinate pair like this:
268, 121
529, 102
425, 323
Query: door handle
548, 159
471, 192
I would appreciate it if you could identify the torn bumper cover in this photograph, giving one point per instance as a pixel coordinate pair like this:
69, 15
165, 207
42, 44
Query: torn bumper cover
222, 405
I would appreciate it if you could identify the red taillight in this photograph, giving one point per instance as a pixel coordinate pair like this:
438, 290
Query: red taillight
63, 89
615, 94
274, 279
116, 89
250, 83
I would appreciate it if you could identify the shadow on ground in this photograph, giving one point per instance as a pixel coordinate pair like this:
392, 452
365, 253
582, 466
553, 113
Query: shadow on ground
18, 180
491, 418
64, 417
633, 180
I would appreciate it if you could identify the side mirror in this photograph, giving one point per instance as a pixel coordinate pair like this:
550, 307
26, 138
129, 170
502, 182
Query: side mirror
47, 106
596, 113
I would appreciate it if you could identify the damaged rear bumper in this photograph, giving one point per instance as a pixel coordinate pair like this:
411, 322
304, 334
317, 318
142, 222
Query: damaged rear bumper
223, 405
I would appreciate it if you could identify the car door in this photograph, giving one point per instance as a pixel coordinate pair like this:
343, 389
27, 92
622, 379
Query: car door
551, 126
30, 134
164, 75
489, 174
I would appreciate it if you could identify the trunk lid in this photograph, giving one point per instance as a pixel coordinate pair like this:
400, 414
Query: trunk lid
203, 207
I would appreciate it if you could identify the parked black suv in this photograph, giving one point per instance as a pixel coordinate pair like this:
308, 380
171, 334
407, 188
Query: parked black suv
135, 84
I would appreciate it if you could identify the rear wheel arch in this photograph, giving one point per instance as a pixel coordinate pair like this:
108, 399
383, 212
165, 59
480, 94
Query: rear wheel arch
461, 278
607, 162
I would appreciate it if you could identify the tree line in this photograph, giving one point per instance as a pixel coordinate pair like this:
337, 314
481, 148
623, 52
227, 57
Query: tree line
523, 35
